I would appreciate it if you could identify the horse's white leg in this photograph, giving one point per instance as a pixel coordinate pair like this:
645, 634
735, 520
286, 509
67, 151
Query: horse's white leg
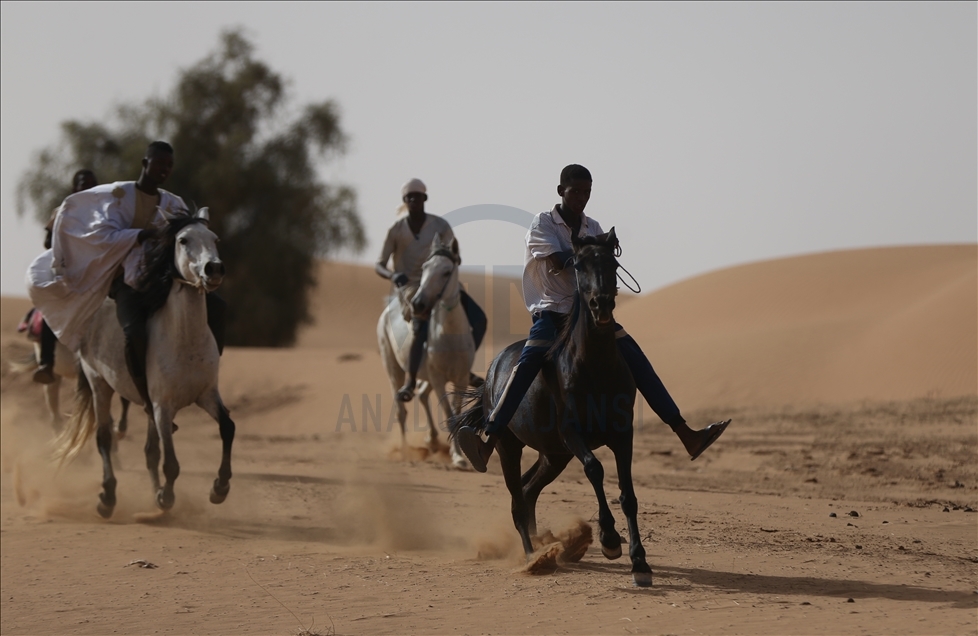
52, 399
445, 401
431, 439
101, 401
211, 402
396, 376
163, 414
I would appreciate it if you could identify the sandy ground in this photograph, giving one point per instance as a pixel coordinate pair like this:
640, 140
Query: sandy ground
837, 502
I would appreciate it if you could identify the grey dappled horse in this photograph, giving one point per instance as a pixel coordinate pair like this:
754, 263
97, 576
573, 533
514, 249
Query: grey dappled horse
181, 361
450, 348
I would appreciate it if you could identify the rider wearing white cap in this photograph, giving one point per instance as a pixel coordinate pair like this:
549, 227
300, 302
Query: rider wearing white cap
408, 242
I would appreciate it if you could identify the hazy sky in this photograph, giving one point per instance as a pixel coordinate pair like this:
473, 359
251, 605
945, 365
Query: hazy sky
717, 134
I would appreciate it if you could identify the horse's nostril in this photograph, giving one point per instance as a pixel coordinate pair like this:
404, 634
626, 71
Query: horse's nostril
214, 268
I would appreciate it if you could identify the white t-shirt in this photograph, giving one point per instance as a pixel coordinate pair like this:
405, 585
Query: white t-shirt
410, 250
544, 289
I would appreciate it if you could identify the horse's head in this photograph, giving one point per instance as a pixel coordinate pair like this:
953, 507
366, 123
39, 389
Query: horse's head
439, 275
597, 269
195, 256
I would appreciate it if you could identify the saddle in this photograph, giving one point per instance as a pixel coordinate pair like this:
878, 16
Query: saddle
32, 324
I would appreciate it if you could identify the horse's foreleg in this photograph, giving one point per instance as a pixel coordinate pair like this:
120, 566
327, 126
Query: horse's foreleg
608, 537
431, 439
544, 471
641, 572
152, 450
510, 452
171, 467
123, 419
215, 407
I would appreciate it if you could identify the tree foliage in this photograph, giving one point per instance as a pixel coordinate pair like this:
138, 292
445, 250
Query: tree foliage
241, 150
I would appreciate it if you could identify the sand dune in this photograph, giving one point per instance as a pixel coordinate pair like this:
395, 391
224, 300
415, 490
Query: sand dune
890, 323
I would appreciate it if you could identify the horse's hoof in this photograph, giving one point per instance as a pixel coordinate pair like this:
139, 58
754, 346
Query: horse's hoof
164, 499
611, 553
104, 511
642, 579
219, 493
405, 396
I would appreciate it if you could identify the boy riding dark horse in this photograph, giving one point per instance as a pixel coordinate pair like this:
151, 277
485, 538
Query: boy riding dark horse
408, 243
548, 291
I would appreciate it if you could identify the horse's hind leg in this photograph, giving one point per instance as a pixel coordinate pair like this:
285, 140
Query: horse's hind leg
52, 399
171, 467
123, 419
547, 468
641, 572
101, 399
215, 407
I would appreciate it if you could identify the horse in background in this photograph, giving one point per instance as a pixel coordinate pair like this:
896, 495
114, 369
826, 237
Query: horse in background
182, 361
565, 414
450, 349
65, 366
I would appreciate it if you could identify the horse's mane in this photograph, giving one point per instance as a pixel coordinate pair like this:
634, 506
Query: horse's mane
570, 335
158, 271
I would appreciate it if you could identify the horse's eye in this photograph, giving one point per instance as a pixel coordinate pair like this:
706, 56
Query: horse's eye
183, 240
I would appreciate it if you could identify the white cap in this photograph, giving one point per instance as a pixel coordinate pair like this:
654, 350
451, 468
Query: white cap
414, 185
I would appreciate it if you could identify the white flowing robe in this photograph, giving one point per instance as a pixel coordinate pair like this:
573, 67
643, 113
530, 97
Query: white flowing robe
93, 236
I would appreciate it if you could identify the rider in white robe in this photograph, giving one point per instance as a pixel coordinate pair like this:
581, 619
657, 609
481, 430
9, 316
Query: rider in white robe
93, 237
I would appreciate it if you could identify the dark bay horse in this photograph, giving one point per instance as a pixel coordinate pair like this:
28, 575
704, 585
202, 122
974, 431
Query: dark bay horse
582, 400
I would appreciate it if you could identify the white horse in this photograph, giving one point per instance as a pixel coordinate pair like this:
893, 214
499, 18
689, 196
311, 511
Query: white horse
450, 348
181, 363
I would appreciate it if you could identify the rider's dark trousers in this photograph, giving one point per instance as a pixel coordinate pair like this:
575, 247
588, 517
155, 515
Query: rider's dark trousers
133, 316
48, 342
477, 318
542, 335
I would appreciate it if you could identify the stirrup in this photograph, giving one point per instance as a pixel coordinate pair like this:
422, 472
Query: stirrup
406, 392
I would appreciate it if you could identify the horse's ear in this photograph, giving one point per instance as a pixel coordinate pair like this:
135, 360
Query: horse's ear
612, 238
576, 241
204, 214
436, 242
458, 257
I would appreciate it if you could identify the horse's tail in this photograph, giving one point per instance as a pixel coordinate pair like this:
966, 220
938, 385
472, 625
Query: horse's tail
473, 416
79, 428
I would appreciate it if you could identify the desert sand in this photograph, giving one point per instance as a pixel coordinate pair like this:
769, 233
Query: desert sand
841, 500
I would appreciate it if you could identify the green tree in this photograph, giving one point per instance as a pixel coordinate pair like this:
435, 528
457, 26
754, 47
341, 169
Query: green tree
238, 153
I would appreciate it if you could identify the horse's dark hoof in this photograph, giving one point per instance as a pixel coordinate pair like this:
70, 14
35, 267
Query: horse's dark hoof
405, 395
219, 493
104, 511
164, 499
642, 579
611, 553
